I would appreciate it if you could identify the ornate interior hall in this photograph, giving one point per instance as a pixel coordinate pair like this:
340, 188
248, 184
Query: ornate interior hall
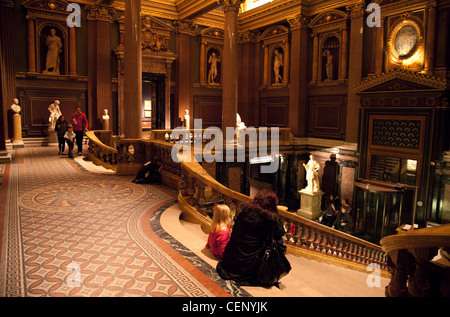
310, 99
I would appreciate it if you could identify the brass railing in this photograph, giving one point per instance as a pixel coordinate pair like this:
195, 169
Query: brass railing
411, 261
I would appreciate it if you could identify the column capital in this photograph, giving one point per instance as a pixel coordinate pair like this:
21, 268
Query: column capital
184, 26
230, 5
248, 36
356, 10
299, 22
100, 13
7, 3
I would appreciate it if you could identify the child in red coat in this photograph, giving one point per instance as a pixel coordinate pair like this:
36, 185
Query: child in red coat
219, 233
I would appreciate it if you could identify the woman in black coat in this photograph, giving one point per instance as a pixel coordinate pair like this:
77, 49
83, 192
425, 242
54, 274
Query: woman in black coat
251, 230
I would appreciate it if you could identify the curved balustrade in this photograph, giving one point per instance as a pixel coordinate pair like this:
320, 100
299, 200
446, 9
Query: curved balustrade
411, 261
199, 191
100, 153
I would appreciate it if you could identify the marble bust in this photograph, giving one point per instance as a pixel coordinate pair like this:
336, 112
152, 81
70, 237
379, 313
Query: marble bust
15, 106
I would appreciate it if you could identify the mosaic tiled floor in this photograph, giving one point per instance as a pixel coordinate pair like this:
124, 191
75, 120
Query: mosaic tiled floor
69, 232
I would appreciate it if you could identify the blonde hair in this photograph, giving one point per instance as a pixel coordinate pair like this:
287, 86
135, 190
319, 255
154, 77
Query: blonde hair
221, 218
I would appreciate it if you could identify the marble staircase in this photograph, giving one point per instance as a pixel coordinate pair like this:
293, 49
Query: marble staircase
308, 277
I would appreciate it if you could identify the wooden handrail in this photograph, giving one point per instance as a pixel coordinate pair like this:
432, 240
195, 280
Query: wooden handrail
92, 137
431, 237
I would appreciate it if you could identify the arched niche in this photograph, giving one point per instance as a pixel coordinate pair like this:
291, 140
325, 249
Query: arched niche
275, 41
330, 47
211, 52
43, 16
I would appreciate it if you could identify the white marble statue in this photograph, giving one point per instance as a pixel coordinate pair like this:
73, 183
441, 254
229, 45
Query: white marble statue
55, 113
329, 65
54, 48
277, 63
213, 60
239, 125
15, 106
187, 120
312, 175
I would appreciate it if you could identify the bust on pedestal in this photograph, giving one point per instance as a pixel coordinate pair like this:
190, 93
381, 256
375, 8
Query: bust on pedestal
105, 119
311, 196
17, 125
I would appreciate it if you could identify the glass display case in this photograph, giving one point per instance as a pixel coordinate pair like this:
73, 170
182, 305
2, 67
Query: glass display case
381, 208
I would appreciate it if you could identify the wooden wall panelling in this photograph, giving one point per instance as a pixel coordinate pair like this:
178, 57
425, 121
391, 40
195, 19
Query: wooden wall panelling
274, 111
35, 103
209, 109
327, 116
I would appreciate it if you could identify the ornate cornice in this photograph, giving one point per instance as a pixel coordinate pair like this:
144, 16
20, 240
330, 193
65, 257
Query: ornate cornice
433, 82
184, 26
101, 13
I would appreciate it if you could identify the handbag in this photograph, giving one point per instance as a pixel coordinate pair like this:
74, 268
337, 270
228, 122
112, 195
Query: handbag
272, 263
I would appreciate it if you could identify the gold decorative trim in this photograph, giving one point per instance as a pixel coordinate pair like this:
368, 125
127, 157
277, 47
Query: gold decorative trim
415, 53
230, 5
400, 73
184, 26
101, 13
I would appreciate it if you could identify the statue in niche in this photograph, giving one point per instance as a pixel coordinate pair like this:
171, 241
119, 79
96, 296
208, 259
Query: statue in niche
277, 64
55, 113
54, 48
312, 175
212, 74
329, 64
15, 106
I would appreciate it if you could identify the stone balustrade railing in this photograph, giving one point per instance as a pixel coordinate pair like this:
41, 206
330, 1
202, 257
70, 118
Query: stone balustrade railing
99, 152
199, 191
419, 261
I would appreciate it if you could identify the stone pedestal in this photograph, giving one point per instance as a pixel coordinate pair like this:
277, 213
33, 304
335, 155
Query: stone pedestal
105, 124
310, 204
17, 137
52, 136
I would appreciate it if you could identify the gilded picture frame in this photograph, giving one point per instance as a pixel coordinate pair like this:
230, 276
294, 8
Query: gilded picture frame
405, 42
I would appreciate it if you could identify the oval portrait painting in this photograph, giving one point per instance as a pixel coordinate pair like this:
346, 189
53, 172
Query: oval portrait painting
406, 40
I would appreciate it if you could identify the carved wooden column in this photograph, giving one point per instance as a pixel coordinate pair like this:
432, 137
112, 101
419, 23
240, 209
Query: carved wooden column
355, 69
99, 69
72, 52
31, 46
286, 63
379, 48
266, 65
230, 64
132, 70
184, 72
431, 29
344, 54
202, 64
7, 73
298, 79
315, 64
